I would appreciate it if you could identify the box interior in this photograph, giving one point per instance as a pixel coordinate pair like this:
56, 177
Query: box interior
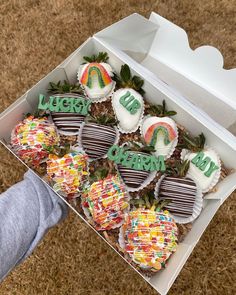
163, 49
163, 280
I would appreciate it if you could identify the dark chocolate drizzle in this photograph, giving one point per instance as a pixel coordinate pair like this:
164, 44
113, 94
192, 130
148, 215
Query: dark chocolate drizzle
181, 192
97, 139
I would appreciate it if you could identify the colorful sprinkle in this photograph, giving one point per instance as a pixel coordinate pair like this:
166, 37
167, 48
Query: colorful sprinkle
32, 139
150, 237
107, 201
68, 172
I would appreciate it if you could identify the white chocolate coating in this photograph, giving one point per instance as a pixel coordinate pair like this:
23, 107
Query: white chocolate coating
127, 122
160, 147
96, 91
204, 182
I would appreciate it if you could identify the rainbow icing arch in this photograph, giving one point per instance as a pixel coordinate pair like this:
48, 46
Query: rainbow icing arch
151, 134
104, 78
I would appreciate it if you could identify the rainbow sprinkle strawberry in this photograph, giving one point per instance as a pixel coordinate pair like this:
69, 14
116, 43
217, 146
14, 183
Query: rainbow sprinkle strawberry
68, 172
32, 139
106, 202
149, 236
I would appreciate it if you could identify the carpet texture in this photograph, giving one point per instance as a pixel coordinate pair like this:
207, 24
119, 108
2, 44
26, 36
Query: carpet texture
35, 37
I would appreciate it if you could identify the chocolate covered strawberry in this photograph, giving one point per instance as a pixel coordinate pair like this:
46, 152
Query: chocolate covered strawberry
97, 135
136, 166
95, 76
149, 235
205, 164
159, 131
67, 170
127, 101
67, 105
105, 201
183, 196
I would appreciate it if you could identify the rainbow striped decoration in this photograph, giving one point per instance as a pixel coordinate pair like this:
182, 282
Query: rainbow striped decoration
152, 133
95, 69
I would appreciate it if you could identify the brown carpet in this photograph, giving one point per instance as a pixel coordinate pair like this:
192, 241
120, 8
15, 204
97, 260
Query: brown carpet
35, 37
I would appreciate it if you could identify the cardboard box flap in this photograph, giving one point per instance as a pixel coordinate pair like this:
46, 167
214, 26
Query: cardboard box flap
162, 49
133, 34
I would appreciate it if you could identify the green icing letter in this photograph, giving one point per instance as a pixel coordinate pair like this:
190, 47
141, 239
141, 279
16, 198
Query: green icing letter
123, 157
130, 103
42, 104
79, 105
75, 105
157, 163
113, 153
53, 104
134, 162
210, 170
123, 98
134, 107
86, 103
63, 104
201, 162
145, 163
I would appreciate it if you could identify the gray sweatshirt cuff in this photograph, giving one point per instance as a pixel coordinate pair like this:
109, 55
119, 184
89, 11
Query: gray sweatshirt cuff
27, 210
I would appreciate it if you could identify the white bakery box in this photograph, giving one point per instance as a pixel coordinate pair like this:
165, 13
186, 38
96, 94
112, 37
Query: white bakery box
192, 82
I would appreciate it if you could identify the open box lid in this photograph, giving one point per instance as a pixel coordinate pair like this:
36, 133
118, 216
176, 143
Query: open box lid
161, 50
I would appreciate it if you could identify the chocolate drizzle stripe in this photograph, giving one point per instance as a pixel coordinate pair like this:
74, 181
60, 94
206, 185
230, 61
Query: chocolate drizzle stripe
173, 204
131, 177
69, 122
88, 127
97, 139
173, 199
181, 192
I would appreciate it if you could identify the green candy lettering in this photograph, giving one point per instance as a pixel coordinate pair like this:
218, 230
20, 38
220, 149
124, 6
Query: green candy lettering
157, 163
213, 167
80, 106
202, 162
145, 163
133, 108
65, 104
42, 104
134, 160
130, 103
113, 153
53, 104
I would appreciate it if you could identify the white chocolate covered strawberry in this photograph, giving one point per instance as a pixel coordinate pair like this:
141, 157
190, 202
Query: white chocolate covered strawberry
96, 77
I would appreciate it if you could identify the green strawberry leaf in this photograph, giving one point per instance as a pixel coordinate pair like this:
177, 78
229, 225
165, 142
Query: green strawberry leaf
100, 57
125, 73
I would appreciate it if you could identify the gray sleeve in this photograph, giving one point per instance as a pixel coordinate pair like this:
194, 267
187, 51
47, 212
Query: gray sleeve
27, 210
